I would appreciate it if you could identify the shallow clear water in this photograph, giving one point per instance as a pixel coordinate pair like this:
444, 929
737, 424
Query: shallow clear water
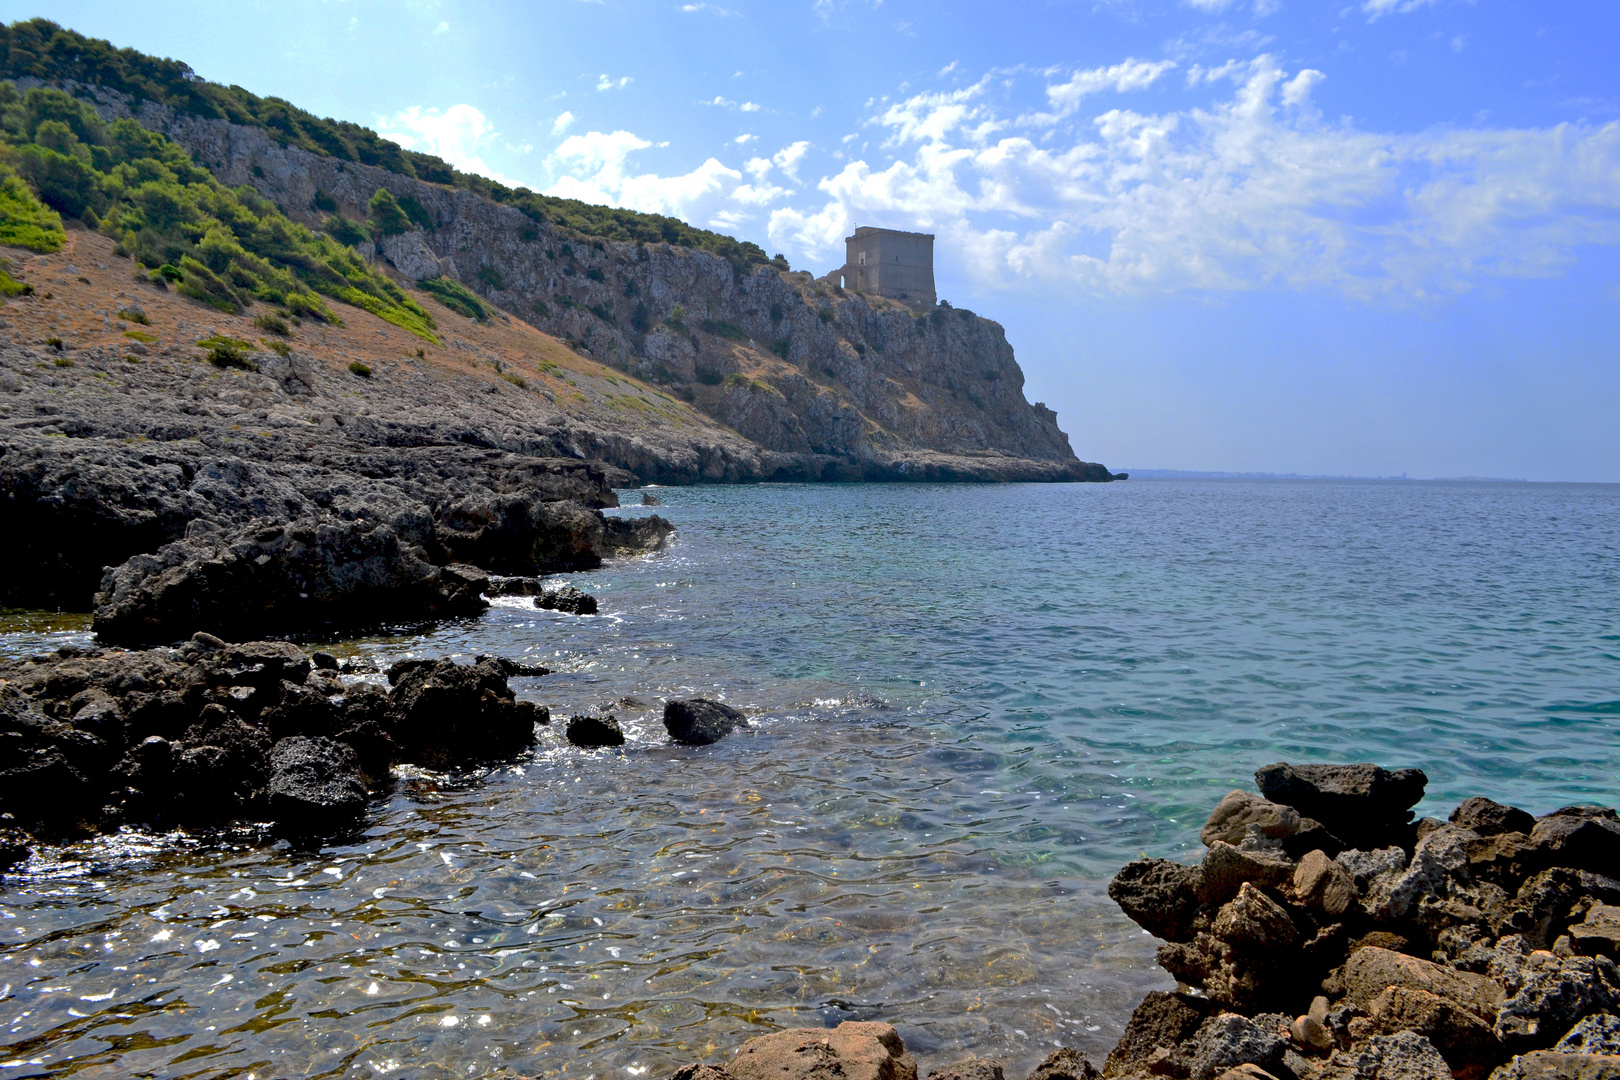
973, 704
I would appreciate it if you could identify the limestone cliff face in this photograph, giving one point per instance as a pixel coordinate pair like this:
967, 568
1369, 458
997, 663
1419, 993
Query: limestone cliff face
828, 383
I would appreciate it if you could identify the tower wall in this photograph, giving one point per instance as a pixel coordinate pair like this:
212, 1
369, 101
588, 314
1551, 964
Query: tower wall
898, 265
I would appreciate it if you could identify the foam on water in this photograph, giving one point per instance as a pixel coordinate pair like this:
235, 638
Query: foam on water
972, 704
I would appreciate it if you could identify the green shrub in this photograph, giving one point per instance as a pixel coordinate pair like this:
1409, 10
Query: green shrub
721, 328
10, 286
141, 336
63, 361
595, 274
54, 342
492, 278
514, 378
541, 308
346, 232
416, 212
387, 216
780, 348
604, 312
457, 297
277, 346
134, 315
324, 202
362, 370
271, 323
25, 222
231, 352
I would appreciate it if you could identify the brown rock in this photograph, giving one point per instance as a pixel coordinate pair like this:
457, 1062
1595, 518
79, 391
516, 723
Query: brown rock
1226, 868
1504, 857
1311, 1034
1370, 971
1402, 1056
1159, 1023
1065, 1064
1246, 1071
1323, 885
700, 1071
1599, 935
1232, 818
854, 1050
1554, 1065
1581, 837
1491, 818
1466, 1041
973, 1068
1254, 923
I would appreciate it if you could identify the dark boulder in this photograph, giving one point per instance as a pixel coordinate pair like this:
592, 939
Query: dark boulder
307, 577
569, 600
595, 731
1159, 1024
699, 721
1158, 895
973, 1068
222, 767
1364, 805
1489, 818
448, 714
13, 847
1064, 1063
315, 786
1579, 837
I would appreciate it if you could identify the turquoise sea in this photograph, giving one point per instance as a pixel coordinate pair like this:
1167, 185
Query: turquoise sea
972, 705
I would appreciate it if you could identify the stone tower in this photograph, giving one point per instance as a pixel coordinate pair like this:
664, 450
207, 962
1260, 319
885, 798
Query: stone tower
899, 265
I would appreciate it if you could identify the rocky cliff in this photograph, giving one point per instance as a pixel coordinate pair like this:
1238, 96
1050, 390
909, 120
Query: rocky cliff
827, 384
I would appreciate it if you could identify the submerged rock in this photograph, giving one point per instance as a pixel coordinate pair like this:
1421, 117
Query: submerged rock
854, 1050
699, 721
595, 731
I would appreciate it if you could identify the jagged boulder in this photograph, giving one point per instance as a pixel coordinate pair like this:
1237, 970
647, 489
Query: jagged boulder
1402, 1056
699, 721
315, 786
1064, 1063
445, 714
595, 732
1160, 896
1363, 805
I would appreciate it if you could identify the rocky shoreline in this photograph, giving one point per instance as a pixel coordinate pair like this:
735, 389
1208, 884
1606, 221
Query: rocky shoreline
209, 733
1328, 936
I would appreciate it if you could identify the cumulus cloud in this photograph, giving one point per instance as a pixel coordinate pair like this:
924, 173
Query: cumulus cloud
1065, 98
1250, 190
560, 125
595, 167
459, 134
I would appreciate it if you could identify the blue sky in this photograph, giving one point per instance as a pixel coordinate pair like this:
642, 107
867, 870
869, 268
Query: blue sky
1374, 237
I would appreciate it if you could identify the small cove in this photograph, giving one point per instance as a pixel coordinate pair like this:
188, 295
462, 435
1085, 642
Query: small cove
973, 704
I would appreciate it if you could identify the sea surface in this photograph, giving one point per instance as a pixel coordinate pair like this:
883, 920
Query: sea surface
971, 705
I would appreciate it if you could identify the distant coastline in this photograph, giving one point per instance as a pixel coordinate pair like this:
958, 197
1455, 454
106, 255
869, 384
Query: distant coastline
1193, 474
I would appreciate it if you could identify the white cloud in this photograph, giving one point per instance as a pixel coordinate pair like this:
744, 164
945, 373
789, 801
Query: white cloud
560, 125
1253, 189
595, 168
442, 28
604, 82
743, 139
748, 106
458, 134
787, 159
1376, 9
1133, 74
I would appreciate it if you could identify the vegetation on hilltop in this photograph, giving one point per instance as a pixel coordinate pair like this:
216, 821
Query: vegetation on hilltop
222, 246
40, 49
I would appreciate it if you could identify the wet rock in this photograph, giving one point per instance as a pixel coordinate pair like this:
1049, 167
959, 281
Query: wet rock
701, 1071
1064, 1063
854, 1050
1364, 805
1324, 886
324, 661
1161, 1022
1599, 933
1159, 896
1228, 1040
315, 786
448, 714
13, 847
699, 721
1226, 868
223, 767
1488, 818
649, 499
515, 669
569, 600
595, 731
1403, 1056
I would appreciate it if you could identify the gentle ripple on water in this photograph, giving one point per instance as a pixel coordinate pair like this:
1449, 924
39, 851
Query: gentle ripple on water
972, 705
